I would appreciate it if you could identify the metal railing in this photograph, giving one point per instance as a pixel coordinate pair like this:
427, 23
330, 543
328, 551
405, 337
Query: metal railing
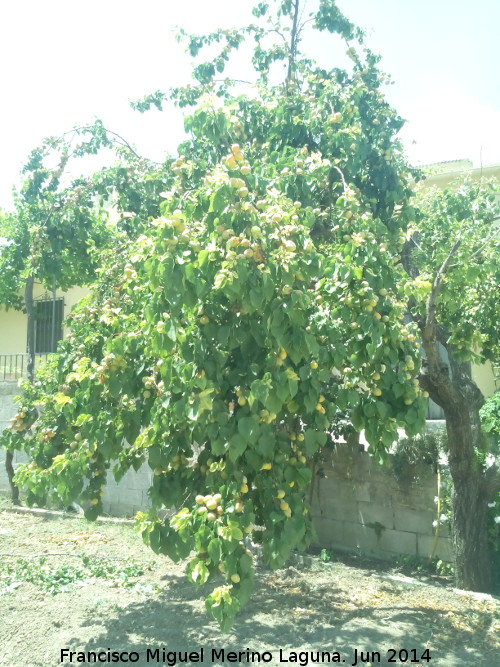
15, 366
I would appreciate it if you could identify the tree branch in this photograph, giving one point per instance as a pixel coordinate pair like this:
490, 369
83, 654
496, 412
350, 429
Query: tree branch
303, 24
123, 142
436, 380
344, 184
430, 319
278, 32
492, 236
293, 44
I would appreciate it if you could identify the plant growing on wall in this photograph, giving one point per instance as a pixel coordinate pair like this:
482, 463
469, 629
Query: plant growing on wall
490, 417
261, 309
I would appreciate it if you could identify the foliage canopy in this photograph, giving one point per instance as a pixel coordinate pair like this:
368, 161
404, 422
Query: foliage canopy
257, 316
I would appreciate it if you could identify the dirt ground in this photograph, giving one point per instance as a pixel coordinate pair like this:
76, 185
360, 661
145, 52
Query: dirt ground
355, 610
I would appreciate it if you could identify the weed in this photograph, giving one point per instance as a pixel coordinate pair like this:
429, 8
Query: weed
417, 564
325, 556
53, 578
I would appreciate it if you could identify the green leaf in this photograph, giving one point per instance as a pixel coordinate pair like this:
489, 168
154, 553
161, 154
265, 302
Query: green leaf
61, 399
221, 280
235, 531
248, 427
154, 457
266, 445
311, 442
274, 403
203, 258
357, 418
381, 409
353, 398
222, 606
205, 401
197, 571
260, 390
237, 445
223, 334
255, 299
312, 345
219, 200
214, 550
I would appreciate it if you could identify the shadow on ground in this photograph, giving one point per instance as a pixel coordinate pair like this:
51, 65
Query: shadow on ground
288, 613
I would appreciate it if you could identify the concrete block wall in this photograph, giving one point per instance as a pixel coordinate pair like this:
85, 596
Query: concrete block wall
356, 506
130, 494
8, 390
7, 407
360, 506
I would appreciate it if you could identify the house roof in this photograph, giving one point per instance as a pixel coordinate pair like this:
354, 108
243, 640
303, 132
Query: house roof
439, 173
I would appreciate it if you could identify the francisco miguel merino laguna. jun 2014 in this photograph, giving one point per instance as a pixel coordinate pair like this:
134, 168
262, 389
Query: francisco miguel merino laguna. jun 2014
303, 658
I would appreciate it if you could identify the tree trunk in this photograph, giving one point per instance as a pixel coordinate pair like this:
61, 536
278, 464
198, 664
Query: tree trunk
472, 562
28, 301
450, 385
14, 490
30, 315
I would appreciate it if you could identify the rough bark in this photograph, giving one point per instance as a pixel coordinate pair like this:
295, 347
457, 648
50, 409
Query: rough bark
472, 560
452, 388
471, 491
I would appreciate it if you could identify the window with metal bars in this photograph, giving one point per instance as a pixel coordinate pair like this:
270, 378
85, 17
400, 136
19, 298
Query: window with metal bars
48, 324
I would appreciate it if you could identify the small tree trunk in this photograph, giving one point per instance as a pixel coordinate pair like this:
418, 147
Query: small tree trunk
14, 490
28, 301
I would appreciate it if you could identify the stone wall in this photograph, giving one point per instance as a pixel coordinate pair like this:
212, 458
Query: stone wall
360, 506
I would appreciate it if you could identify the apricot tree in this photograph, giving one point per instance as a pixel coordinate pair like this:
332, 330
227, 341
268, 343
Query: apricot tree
258, 313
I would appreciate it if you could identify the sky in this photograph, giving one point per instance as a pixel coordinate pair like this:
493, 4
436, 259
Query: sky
66, 63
